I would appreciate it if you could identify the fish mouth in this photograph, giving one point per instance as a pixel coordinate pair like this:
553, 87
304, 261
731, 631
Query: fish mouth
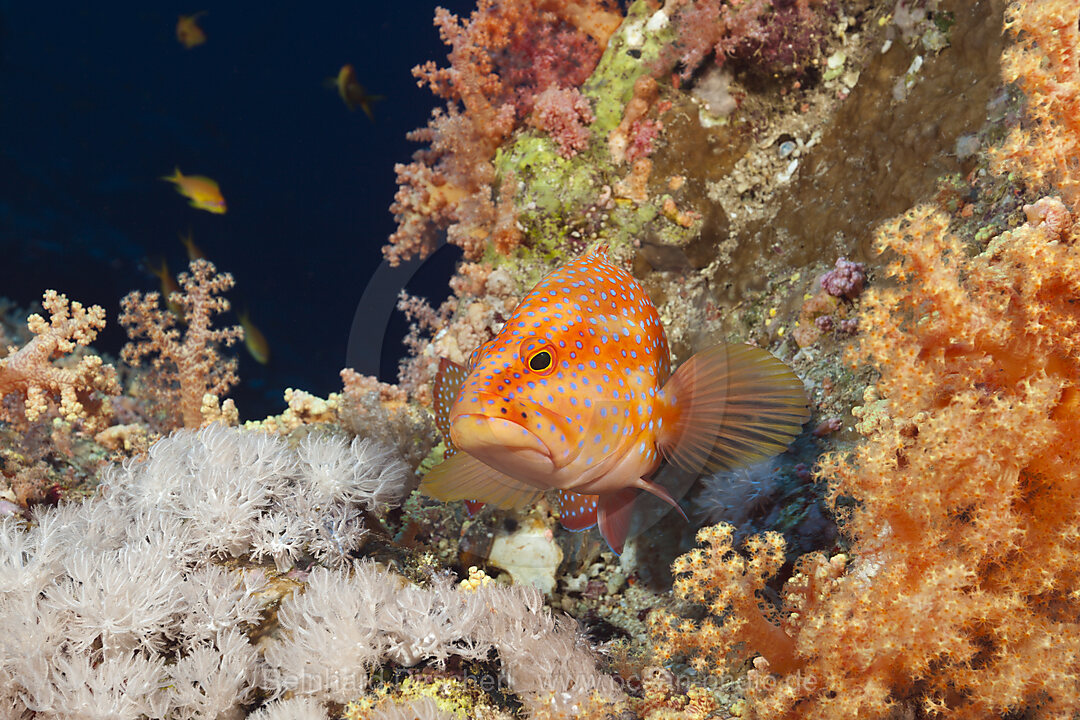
504, 445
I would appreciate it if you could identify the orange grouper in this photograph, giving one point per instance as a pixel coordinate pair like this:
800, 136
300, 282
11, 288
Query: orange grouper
575, 394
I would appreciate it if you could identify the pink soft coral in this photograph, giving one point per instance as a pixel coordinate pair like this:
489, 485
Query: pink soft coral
564, 114
501, 59
771, 37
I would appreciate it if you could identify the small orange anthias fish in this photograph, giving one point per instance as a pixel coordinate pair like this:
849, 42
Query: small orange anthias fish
575, 394
188, 31
353, 93
203, 192
194, 252
254, 340
168, 287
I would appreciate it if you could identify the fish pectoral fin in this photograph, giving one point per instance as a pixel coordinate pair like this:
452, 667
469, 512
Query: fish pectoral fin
658, 491
731, 405
613, 511
463, 477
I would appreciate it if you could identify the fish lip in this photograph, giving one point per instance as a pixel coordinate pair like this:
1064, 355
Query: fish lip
535, 444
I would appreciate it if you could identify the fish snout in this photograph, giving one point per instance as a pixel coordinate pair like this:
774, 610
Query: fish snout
496, 431
488, 418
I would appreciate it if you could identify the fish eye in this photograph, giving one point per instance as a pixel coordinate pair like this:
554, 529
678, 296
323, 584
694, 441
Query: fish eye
540, 361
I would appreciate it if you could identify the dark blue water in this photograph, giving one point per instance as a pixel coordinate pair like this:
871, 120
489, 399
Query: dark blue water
97, 103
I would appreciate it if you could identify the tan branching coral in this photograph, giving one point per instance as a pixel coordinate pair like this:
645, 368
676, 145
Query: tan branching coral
188, 368
41, 383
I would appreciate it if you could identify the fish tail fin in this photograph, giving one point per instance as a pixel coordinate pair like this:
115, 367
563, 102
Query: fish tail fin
188, 242
613, 512
177, 176
730, 405
158, 268
368, 104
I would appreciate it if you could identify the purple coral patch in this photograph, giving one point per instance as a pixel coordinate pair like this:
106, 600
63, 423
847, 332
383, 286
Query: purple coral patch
846, 280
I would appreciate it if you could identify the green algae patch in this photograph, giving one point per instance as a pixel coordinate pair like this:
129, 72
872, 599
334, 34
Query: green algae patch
630, 53
551, 188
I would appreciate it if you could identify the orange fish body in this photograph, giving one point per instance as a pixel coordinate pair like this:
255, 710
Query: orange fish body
254, 340
194, 252
576, 394
188, 31
202, 192
168, 287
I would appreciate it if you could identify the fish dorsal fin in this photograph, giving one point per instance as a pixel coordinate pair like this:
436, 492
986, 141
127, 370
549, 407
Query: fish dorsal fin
577, 512
448, 382
730, 405
463, 477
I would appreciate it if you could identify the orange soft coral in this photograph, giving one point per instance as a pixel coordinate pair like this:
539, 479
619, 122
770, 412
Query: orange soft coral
729, 585
31, 373
1045, 64
189, 376
963, 594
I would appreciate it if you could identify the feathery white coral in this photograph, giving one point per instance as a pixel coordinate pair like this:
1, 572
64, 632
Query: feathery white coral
297, 708
330, 635
214, 677
422, 708
341, 627
280, 536
360, 472
216, 599
121, 687
113, 608
123, 599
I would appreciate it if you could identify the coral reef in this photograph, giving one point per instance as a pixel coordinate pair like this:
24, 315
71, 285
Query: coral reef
501, 59
960, 504
736, 157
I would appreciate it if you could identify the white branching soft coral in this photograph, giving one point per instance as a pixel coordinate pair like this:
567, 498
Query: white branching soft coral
297, 708
114, 688
342, 627
122, 600
333, 471
216, 674
249, 493
217, 599
116, 607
